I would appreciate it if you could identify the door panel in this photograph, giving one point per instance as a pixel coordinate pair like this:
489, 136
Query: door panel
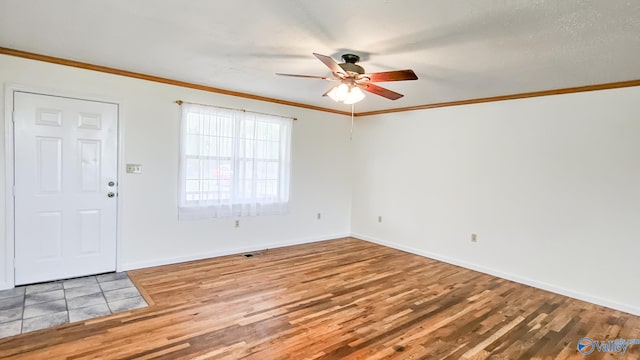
49, 165
65, 157
89, 165
89, 231
48, 228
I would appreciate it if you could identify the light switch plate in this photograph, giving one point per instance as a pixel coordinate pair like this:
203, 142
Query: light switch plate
134, 168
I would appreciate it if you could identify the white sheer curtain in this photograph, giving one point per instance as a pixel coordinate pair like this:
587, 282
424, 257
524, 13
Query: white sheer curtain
233, 163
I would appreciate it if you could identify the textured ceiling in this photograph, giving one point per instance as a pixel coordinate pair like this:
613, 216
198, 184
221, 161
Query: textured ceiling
459, 49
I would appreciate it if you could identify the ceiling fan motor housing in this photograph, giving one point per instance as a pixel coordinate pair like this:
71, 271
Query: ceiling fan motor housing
349, 64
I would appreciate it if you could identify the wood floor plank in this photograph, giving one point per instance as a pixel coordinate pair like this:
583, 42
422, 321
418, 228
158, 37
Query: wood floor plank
339, 299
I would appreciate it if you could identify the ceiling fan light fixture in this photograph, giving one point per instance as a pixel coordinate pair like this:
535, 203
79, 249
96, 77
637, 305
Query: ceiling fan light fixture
339, 93
354, 96
347, 94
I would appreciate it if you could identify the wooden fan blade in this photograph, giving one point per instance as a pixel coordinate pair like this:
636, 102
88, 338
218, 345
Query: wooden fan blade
307, 76
331, 64
398, 75
378, 90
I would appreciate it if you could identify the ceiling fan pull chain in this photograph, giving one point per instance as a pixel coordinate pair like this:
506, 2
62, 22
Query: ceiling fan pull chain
351, 133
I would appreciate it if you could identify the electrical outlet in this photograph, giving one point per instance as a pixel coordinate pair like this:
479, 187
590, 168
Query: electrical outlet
474, 238
319, 216
379, 218
237, 223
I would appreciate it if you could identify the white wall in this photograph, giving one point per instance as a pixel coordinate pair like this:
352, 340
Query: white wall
150, 232
551, 186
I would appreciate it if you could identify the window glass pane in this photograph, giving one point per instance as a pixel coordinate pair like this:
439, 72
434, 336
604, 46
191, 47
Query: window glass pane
261, 170
261, 129
193, 186
226, 147
204, 186
260, 189
247, 129
246, 189
246, 148
210, 168
225, 189
272, 170
273, 133
259, 149
193, 123
226, 170
192, 144
271, 189
248, 170
225, 127
193, 169
205, 143
205, 123
273, 150
212, 127
241, 148
213, 147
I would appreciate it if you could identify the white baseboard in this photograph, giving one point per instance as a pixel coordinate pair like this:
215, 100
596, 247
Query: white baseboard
5, 286
212, 254
634, 310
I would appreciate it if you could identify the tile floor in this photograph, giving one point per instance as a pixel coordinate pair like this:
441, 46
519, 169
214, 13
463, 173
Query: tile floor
34, 307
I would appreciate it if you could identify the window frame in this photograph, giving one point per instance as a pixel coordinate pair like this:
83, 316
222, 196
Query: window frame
250, 192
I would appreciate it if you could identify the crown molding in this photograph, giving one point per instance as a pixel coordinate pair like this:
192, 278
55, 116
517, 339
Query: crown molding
158, 79
570, 90
109, 70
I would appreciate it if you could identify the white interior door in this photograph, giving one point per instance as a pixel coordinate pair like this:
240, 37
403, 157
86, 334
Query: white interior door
65, 187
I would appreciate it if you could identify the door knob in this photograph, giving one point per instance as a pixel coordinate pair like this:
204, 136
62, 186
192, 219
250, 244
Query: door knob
111, 194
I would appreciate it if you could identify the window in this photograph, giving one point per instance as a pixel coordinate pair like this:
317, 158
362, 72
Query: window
233, 163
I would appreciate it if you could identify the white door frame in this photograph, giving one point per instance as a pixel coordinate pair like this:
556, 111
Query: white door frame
9, 279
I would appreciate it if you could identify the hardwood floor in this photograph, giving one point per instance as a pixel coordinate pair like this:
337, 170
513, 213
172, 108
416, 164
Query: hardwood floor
339, 299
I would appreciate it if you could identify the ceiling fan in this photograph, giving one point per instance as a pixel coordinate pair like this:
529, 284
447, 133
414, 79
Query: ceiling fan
353, 79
